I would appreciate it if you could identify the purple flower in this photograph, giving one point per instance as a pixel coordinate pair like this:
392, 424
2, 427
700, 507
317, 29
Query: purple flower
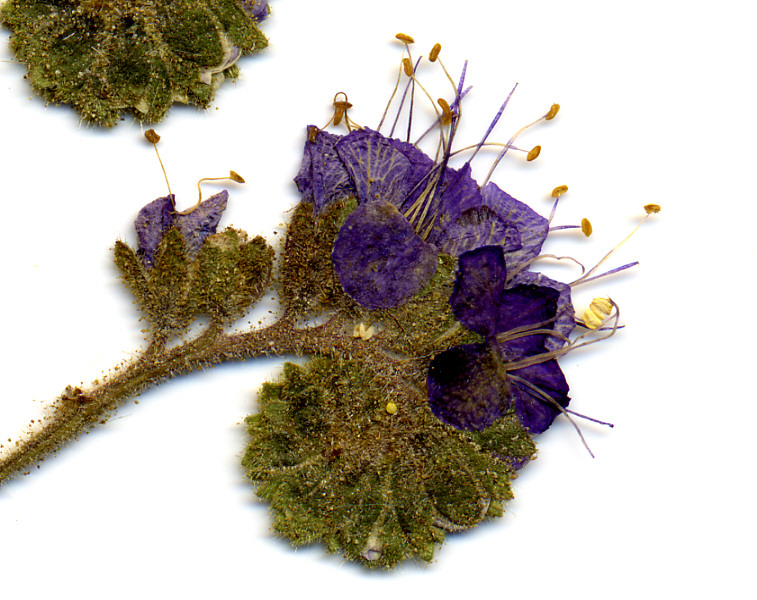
473, 385
160, 215
436, 209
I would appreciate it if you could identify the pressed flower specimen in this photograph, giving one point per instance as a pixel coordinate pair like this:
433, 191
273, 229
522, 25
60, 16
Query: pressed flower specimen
105, 57
431, 341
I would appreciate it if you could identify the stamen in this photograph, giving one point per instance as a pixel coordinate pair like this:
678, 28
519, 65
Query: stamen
592, 419
410, 86
556, 193
654, 208
391, 408
557, 405
154, 138
586, 227
533, 154
403, 37
233, 175
493, 123
434, 54
313, 134
552, 112
611, 271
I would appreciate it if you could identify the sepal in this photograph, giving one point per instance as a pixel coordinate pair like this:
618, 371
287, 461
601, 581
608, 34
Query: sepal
309, 284
232, 273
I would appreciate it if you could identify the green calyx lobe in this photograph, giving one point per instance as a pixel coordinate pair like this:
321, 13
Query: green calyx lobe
108, 56
228, 275
337, 467
308, 282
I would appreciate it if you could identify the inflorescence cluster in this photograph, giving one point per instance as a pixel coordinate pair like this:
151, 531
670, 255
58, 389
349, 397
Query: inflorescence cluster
432, 342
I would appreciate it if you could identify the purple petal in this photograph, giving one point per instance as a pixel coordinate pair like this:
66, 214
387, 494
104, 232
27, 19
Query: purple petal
202, 221
379, 260
565, 321
522, 306
419, 174
535, 412
378, 169
151, 224
532, 227
257, 9
323, 178
466, 388
478, 288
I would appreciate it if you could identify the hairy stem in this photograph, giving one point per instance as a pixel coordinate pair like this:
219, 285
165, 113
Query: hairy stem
78, 411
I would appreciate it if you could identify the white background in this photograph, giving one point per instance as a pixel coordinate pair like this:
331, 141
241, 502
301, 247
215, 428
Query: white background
657, 106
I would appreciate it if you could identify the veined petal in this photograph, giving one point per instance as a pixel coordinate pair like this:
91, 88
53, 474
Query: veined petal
565, 320
151, 224
522, 306
378, 169
532, 227
476, 296
203, 221
466, 387
379, 260
535, 412
323, 178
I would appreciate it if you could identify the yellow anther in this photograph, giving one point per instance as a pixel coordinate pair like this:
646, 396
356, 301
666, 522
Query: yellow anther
434, 54
586, 227
312, 134
234, 176
446, 111
533, 153
559, 191
403, 37
408, 66
598, 311
151, 136
363, 332
552, 112
652, 208
601, 305
391, 408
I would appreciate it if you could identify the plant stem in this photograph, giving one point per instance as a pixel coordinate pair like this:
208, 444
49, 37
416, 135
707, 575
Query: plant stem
74, 413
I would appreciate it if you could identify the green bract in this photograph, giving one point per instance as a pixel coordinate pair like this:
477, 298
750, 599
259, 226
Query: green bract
105, 57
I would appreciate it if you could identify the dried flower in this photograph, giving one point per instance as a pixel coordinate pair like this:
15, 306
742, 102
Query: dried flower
155, 219
410, 209
472, 386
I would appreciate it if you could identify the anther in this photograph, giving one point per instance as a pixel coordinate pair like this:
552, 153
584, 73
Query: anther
312, 134
586, 227
403, 37
598, 311
152, 136
408, 66
391, 408
652, 208
434, 54
234, 176
552, 112
446, 111
533, 153
559, 191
